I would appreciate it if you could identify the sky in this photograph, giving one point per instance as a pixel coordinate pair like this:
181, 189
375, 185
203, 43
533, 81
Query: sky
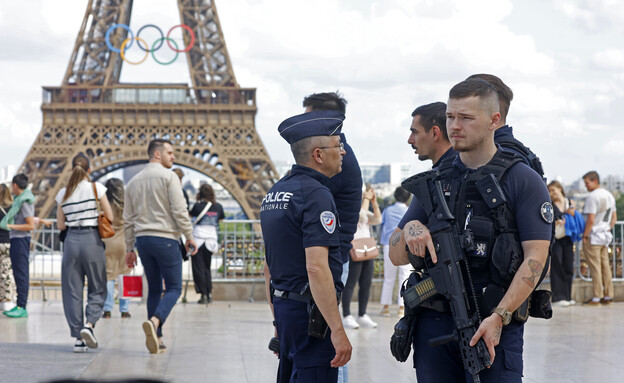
563, 60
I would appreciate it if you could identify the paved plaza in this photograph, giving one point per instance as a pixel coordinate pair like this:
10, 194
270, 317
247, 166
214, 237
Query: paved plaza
227, 342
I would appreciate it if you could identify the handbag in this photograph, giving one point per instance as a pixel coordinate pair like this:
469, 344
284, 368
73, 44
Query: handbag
130, 286
364, 249
104, 225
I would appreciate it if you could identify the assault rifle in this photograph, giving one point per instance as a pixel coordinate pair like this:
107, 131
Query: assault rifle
447, 276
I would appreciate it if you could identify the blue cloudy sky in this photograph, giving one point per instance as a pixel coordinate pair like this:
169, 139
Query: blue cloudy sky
563, 59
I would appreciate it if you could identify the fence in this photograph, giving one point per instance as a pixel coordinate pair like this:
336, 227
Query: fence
241, 255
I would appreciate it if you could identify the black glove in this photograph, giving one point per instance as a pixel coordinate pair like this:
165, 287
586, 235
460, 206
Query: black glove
401, 340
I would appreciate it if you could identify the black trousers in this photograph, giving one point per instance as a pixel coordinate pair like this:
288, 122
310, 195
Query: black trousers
361, 273
562, 269
201, 270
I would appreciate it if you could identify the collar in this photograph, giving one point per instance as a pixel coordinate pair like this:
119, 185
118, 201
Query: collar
462, 168
449, 153
320, 177
503, 131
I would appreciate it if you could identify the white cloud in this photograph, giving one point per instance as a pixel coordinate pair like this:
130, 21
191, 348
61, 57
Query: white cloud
593, 15
609, 59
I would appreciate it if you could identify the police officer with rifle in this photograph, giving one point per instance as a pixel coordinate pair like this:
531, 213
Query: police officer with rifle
483, 229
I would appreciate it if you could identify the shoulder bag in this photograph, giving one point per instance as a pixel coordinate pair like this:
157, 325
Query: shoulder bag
104, 225
364, 249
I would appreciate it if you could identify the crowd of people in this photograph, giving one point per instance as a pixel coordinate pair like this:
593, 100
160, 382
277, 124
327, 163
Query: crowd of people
485, 185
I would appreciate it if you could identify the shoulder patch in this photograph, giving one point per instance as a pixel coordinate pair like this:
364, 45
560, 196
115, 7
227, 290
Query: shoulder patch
328, 220
547, 212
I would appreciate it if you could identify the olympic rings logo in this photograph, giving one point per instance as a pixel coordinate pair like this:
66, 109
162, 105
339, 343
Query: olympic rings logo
158, 43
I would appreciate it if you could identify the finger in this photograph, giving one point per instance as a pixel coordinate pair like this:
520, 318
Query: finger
476, 336
492, 352
432, 252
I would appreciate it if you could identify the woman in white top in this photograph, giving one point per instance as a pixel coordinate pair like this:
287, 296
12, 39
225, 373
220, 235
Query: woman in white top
83, 252
361, 272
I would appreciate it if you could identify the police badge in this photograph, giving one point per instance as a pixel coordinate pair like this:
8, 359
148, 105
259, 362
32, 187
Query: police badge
328, 220
547, 212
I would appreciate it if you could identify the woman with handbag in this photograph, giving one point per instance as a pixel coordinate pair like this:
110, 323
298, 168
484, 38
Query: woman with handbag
562, 263
7, 284
81, 207
207, 213
115, 249
361, 266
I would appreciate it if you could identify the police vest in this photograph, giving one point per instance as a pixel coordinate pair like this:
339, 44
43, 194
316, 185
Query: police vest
478, 203
531, 159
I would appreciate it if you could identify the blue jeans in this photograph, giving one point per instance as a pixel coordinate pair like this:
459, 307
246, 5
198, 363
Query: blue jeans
161, 260
110, 299
19, 253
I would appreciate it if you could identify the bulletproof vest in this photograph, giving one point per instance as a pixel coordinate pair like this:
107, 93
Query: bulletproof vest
530, 158
478, 203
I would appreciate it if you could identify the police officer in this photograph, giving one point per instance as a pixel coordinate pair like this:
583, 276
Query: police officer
303, 264
472, 117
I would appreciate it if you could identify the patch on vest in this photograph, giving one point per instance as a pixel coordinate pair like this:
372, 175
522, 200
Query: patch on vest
481, 249
547, 212
328, 220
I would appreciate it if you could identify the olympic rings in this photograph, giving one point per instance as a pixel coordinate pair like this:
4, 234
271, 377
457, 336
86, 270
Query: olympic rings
190, 31
159, 31
123, 48
127, 43
160, 40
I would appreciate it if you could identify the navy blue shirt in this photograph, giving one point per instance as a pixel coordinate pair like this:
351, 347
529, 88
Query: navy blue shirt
526, 194
346, 188
409, 214
299, 212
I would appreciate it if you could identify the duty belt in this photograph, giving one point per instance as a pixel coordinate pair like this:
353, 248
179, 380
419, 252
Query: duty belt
292, 296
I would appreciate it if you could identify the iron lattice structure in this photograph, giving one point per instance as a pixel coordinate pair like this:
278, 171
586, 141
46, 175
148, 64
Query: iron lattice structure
211, 123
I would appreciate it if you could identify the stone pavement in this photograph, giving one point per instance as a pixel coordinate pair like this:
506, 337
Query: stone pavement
227, 342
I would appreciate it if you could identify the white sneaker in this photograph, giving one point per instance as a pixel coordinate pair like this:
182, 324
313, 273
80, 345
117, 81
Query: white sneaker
80, 346
561, 303
88, 337
571, 302
349, 322
366, 322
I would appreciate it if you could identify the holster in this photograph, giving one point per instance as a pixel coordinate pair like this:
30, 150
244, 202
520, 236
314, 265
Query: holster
540, 304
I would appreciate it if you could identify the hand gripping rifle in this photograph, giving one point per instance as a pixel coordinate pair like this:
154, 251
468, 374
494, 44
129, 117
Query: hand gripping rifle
448, 274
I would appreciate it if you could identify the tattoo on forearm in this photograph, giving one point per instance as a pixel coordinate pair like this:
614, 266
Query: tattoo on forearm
396, 237
536, 271
415, 230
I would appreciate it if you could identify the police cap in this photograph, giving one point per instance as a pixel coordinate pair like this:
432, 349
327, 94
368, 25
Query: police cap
316, 123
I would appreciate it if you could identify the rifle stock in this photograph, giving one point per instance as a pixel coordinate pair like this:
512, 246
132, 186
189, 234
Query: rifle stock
449, 272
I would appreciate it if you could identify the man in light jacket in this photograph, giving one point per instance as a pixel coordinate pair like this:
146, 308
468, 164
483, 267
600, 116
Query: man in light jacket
154, 216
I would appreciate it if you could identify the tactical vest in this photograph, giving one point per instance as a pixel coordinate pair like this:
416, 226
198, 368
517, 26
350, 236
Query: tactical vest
478, 203
531, 159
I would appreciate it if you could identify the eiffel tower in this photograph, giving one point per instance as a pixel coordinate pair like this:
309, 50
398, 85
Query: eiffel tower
211, 123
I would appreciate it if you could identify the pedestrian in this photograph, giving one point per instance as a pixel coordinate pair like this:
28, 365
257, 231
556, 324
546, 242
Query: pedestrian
390, 218
562, 263
361, 272
303, 262
83, 252
155, 215
601, 217
19, 220
501, 282
7, 283
207, 213
115, 250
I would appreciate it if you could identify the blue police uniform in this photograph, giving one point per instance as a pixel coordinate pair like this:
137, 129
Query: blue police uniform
444, 363
346, 187
299, 212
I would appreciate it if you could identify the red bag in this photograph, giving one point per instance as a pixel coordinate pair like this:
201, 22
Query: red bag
130, 286
364, 249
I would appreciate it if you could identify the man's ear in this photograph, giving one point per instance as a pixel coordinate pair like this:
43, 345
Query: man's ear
435, 132
317, 156
495, 118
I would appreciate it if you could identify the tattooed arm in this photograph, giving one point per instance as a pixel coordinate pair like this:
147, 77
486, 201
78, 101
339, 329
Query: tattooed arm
523, 283
417, 238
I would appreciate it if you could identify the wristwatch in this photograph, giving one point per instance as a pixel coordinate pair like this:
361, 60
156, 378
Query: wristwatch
504, 314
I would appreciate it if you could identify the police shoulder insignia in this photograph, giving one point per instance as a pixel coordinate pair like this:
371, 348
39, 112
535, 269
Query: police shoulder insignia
328, 220
547, 212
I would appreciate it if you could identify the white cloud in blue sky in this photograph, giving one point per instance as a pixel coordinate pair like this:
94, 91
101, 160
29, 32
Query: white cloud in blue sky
562, 58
